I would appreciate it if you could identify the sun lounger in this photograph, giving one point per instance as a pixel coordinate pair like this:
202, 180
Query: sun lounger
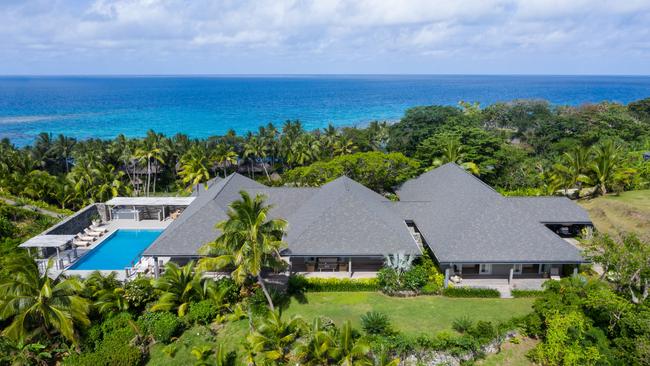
85, 237
80, 243
99, 229
92, 233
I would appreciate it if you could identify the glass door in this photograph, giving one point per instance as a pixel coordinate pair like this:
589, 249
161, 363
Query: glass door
485, 268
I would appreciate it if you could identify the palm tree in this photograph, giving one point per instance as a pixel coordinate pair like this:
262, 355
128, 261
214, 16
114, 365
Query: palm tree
151, 152
36, 303
272, 338
573, 166
607, 166
180, 287
62, 147
350, 351
379, 135
249, 241
225, 156
108, 182
195, 168
255, 149
344, 146
316, 346
453, 152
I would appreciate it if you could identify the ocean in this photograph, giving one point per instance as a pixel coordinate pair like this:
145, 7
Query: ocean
104, 107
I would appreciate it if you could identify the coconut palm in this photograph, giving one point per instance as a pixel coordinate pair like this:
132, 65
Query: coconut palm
180, 287
108, 182
151, 151
607, 167
195, 168
454, 152
34, 303
249, 241
225, 156
254, 150
343, 146
272, 339
62, 147
379, 136
316, 346
351, 351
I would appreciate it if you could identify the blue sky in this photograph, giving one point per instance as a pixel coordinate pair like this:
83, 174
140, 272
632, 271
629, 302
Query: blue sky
303, 37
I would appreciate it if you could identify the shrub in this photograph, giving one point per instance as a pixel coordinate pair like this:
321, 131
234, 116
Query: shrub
114, 350
139, 293
374, 322
301, 283
527, 293
230, 288
388, 280
202, 312
415, 278
259, 304
470, 292
463, 324
431, 288
163, 326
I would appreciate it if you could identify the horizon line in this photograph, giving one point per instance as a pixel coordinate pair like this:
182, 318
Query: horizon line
311, 75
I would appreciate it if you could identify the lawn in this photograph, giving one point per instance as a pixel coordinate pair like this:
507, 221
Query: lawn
412, 316
628, 212
511, 354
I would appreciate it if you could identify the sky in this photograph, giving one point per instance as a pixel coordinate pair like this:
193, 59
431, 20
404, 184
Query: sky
60, 37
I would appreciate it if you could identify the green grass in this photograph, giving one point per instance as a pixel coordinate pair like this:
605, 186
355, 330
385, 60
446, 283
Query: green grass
412, 316
511, 354
627, 212
230, 336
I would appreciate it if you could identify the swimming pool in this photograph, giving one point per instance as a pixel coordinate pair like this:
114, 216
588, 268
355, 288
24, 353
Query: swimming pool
120, 250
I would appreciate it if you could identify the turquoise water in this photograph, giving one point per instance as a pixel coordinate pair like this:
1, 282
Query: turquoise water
122, 249
104, 107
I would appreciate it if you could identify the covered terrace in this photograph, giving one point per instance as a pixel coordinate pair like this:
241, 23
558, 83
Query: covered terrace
147, 208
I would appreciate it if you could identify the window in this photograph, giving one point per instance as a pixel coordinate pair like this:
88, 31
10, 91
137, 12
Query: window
485, 268
517, 269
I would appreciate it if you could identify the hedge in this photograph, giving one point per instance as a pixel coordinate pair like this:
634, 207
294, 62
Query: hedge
470, 292
299, 283
527, 293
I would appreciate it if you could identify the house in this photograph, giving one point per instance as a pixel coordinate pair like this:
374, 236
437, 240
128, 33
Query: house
467, 226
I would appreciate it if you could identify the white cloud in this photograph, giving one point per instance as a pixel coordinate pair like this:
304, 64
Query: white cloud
241, 33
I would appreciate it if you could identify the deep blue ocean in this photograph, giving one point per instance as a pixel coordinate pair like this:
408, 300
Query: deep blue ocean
201, 106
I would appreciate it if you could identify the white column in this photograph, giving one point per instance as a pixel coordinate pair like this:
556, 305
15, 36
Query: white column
575, 270
512, 270
350, 266
446, 277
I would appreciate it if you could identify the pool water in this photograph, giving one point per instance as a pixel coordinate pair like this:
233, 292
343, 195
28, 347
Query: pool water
120, 250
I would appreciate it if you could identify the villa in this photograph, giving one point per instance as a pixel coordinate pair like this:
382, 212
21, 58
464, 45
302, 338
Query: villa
341, 228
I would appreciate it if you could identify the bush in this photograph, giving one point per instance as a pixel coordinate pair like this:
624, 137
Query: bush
463, 324
431, 288
415, 278
202, 312
114, 350
260, 305
163, 326
470, 292
527, 293
298, 284
374, 322
139, 293
230, 288
388, 280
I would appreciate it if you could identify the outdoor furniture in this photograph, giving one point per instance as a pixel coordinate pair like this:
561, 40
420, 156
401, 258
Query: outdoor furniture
311, 266
456, 279
343, 267
92, 233
80, 243
98, 229
327, 263
85, 237
174, 215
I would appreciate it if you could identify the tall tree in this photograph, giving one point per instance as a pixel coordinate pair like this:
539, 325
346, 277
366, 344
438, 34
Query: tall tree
249, 241
34, 303
195, 167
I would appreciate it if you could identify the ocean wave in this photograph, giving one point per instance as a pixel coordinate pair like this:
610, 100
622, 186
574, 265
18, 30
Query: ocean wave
38, 118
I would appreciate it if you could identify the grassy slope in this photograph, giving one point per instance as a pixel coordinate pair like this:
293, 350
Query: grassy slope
414, 316
511, 354
628, 212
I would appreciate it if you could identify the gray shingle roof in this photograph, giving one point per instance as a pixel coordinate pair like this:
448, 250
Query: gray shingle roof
340, 218
195, 226
345, 218
463, 221
551, 210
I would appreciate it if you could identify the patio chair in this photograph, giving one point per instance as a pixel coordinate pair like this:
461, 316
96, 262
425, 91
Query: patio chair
98, 229
92, 233
80, 243
85, 237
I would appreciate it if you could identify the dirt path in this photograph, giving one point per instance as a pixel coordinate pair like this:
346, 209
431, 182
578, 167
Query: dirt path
33, 208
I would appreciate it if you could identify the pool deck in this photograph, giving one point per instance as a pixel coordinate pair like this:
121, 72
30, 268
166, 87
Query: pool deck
112, 226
